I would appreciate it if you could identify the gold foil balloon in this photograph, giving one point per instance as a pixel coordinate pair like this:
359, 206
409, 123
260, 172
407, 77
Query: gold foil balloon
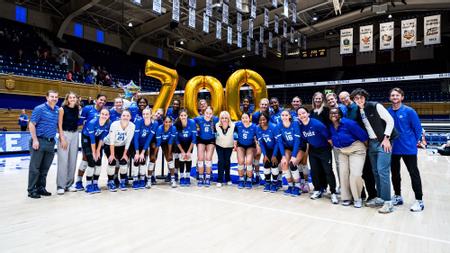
194, 85
232, 90
169, 80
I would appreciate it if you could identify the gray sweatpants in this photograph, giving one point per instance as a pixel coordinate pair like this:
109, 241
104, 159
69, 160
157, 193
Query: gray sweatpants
67, 161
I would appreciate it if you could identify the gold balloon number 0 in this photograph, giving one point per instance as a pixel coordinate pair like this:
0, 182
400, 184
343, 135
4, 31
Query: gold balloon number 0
229, 101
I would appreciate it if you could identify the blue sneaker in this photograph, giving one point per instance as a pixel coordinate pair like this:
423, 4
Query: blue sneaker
397, 200
79, 186
262, 182
136, 185
207, 183
248, 185
96, 189
273, 188
182, 181
295, 191
123, 185
241, 185
90, 189
112, 186
288, 191
267, 187
187, 181
200, 183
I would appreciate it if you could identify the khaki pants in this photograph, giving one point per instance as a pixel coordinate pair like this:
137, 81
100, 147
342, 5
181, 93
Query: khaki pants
351, 164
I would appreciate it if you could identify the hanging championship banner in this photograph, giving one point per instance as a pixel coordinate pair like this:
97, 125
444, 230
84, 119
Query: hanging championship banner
209, 8
250, 28
409, 32
176, 10
264, 51
284, 29
261, 34
285, 8
266, 18
274, 3
253, 9
239, 5
387, 35
239, 22
366, 38
347, 41
225, 14
256, 47
193, 4
294, 12
291, 35
229, 35
278, 45
249, 43
270, 40
157, 6
432, 30
218, 30
205, 23
276, 24
239, 39
191, 18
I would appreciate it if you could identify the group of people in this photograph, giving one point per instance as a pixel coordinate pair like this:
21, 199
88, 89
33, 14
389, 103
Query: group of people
367, 140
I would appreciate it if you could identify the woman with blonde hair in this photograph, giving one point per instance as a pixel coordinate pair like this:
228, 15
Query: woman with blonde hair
68, 142
224, 147
319, 109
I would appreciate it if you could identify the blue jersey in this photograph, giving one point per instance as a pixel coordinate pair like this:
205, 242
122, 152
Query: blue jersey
255, 117
172, 114
315, 133
187, 134
289, 137
275, 117
134, 111
163, 137
267, 139
206, 128
407, 123
88, 113
114, 115
245, 135
143, 134
93, 130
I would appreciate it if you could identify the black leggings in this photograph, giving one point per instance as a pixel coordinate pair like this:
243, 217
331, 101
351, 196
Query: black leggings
321, 169
411, 165
88, 152
183, 165
223, 163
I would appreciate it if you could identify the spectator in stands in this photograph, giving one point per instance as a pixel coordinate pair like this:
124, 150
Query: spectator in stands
94, 74
23, 121
409, 128
43, 127
20, 55
379, 125
69, 77
64, 60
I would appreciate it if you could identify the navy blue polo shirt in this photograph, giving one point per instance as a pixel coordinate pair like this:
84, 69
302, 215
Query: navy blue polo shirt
46, 120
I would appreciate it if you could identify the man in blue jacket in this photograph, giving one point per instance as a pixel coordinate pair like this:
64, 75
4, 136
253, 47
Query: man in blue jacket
408, 125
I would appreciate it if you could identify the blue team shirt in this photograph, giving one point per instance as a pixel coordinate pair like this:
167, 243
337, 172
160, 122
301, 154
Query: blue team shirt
114, 115
348, 132
289, 138
187, 134
315, 133
255, 117
267, 139
172, 114
275, 117
245, 135
163, 137
93, 130
134, 111
407, 123
206, 128
46, 120
88, 113
143, 134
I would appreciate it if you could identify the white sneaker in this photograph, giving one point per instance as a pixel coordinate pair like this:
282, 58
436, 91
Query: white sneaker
375, 202
346, 202
229, 183
60, 191
357, 203
219, 185
149, 184
316, 195
72, 188
334, 199
418, 206
173, 184
387, 207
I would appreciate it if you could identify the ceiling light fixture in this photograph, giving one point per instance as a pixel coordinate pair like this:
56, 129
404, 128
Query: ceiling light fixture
130, 24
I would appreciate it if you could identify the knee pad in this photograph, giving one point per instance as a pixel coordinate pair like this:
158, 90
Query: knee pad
123, 169
171, 165
208, 164
97, 171
292, 167
266, 171
142, 170
98, 162
112, 163
90, 162
240, 167
249, 167
286, 174
296, 175
134, 170
267, 164
200, 164
83, 165
151, 166
90, 171
275, 171
255, 162
111, 170
136, 163
123, 162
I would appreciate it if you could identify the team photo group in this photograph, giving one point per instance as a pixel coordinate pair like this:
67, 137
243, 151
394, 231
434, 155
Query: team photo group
349, 147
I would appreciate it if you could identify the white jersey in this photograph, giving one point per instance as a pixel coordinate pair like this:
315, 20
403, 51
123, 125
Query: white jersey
118, 136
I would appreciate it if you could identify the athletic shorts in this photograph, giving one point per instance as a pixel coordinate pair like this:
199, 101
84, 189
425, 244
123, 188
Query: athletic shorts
245, 147
206, 142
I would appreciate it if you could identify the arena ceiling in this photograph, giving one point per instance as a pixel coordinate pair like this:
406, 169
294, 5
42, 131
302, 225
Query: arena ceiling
316, 19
